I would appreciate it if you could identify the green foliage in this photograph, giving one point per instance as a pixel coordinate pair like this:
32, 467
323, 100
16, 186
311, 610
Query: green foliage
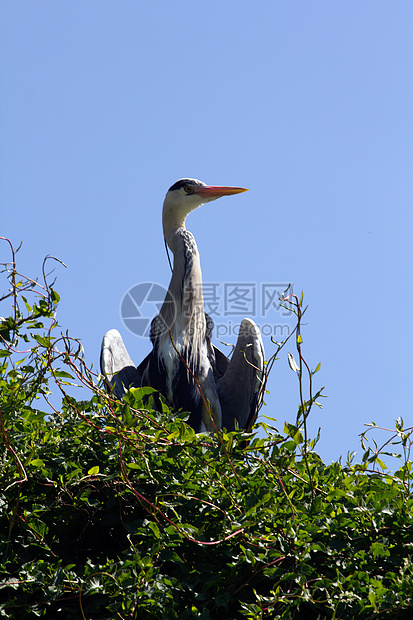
113, 510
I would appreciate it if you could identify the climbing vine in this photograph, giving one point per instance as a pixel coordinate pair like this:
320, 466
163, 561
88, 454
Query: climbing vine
115, 510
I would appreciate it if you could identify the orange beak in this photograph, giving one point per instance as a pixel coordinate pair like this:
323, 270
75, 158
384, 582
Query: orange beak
216, 191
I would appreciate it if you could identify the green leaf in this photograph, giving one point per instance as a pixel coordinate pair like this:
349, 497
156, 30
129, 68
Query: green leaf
39, 527
45, 342
380, 463
378, 549
55, 296
155, 529
93, 470
28, 307
38, 463
293, 432
61, 374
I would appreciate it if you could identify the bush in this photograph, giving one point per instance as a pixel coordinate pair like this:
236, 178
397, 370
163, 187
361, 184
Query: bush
113, 510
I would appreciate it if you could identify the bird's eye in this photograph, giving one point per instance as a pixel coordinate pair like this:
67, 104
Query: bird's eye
188, 189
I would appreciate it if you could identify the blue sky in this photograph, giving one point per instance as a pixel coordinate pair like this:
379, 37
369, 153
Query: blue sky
308, 104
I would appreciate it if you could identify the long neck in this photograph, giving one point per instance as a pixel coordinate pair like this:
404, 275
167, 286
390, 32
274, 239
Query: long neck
186, 282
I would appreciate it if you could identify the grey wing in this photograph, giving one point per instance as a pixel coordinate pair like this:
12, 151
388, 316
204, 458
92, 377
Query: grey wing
218, 360
240, 385
116, 364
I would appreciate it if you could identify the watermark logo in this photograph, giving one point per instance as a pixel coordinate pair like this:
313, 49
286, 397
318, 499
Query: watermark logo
141, 304
225, 302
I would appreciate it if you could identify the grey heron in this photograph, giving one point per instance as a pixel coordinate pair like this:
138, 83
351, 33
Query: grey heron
184, 366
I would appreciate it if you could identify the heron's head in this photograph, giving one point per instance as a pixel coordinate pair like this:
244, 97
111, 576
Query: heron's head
188, 194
